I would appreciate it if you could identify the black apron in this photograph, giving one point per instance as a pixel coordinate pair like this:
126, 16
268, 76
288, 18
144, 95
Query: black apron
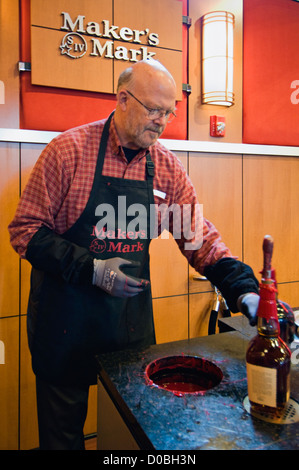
74, 323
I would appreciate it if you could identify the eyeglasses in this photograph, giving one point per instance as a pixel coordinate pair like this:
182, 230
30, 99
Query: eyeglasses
155, 113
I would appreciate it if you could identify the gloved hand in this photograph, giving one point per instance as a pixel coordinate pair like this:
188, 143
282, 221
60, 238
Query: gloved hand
109, 277
248, 305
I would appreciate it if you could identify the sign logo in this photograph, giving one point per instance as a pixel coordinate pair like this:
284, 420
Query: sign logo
73, 45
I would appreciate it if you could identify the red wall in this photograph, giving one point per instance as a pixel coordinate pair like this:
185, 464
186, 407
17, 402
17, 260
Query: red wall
271, 65
57, 109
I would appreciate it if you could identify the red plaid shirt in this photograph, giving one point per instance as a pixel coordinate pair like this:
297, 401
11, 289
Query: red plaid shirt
60, 183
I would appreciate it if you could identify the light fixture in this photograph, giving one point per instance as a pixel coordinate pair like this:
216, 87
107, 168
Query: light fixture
217, 58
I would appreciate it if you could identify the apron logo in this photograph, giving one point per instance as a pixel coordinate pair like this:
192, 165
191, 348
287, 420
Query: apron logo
112, 241
98, 246
113, 233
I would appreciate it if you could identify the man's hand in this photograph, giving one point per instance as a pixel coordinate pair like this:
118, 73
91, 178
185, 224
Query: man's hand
109, 277
248, 305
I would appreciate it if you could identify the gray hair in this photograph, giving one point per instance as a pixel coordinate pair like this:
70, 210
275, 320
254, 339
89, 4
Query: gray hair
125, 78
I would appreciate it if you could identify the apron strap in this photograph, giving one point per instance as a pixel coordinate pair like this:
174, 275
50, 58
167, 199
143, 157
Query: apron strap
103, 145
150, 166
150, 173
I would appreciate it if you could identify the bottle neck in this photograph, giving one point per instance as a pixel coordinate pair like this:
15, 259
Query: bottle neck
268, 327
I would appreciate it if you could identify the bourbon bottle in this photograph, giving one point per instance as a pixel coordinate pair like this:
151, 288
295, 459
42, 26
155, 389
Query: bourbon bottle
268, 358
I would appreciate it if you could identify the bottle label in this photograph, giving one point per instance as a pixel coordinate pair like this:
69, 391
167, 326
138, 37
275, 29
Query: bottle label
262, 385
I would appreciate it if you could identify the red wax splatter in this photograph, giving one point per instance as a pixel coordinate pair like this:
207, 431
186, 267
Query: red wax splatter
183, 374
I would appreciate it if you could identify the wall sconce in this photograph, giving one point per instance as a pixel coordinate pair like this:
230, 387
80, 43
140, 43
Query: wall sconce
217, 58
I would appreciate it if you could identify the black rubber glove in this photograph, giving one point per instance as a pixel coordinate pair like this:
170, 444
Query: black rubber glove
234, 279
248, 305
109, 277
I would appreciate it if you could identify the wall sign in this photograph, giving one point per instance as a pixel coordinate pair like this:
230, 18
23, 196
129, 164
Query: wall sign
84, 45
75, 46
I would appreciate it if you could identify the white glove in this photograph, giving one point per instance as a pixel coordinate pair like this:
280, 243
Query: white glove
109, 277
248, 305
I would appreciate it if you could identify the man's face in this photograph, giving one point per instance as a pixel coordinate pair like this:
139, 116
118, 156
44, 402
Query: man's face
140, 129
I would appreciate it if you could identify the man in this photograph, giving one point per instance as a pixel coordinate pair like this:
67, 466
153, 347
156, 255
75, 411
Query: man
90, 288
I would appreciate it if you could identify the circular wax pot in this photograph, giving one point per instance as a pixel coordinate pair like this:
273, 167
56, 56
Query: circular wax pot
183, 374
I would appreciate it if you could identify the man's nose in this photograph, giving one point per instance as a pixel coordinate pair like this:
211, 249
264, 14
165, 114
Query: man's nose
161, 119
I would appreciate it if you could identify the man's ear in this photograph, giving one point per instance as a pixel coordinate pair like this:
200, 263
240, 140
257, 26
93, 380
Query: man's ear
122, 99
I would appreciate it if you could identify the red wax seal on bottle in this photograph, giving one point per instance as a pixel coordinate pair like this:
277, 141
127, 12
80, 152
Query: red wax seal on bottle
267, 305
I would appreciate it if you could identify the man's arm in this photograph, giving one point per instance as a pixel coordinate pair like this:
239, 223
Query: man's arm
234, 279
52, 253
33, 231
41, 199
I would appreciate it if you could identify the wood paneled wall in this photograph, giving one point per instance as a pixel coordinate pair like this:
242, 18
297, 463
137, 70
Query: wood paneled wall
246, 197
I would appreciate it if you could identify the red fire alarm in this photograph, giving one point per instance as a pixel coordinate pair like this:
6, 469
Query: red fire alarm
217, 126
